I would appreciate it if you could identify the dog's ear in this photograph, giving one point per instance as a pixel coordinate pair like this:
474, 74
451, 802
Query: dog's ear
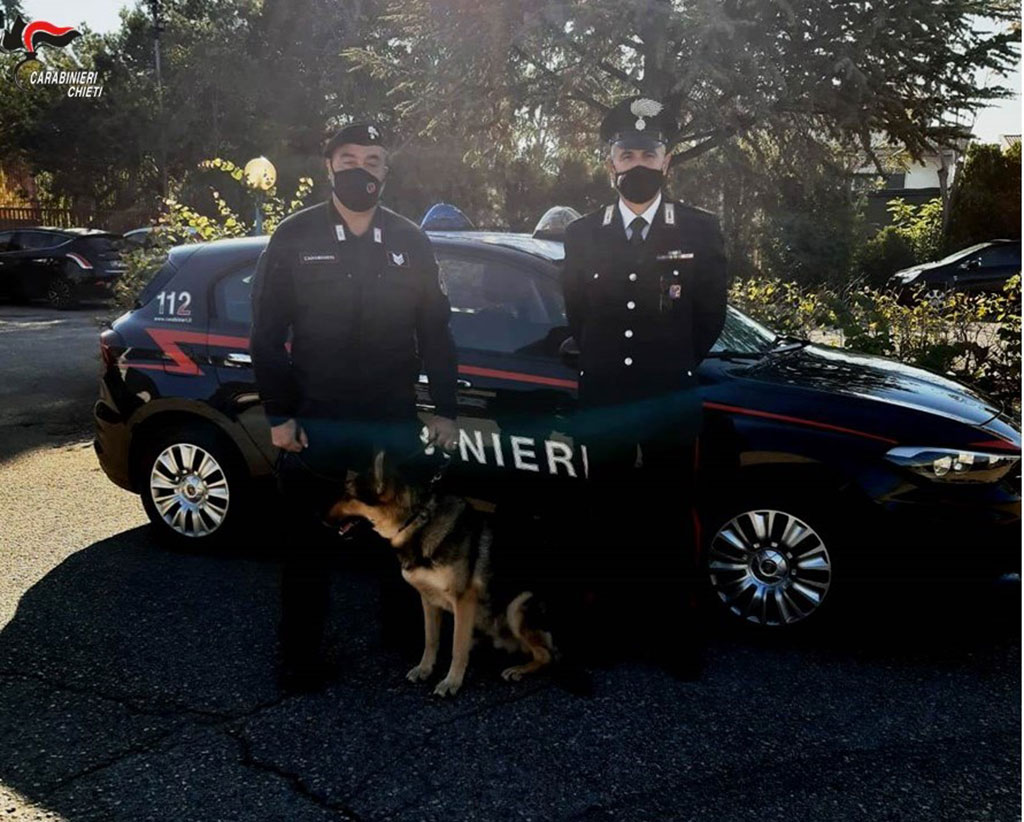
351, 482
378, 473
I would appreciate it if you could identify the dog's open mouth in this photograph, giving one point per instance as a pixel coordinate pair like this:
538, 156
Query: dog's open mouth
346, 524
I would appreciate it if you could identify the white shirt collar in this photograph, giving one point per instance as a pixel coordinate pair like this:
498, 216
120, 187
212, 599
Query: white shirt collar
628, 215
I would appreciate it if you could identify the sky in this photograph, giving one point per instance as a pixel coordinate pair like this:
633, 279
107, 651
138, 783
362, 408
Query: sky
102, 16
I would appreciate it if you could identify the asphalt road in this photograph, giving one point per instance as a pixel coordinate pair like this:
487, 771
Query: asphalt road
136, 683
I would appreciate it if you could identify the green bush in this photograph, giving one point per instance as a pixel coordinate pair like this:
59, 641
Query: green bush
884, 254
180, 224
920, 225
985, 199
915, 236
971, 337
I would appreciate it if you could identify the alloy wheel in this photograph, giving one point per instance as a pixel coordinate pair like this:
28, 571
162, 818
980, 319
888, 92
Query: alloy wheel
189, 489
769, 567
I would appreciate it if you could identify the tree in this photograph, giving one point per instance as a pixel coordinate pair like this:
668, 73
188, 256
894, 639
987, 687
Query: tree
830, 71
240, 78
985, 202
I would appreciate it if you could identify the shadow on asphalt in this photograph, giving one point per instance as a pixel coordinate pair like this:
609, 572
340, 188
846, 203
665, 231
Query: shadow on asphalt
137, 684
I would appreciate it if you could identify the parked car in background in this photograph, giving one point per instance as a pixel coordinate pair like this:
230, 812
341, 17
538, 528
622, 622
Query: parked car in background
818, 464
62, 265
146, 237
982, 267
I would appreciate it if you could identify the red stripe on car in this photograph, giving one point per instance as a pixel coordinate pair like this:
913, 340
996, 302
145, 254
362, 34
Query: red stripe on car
799, 420
1004, 444
518, 376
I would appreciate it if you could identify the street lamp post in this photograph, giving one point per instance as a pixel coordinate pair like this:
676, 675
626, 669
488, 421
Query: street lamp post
158, 27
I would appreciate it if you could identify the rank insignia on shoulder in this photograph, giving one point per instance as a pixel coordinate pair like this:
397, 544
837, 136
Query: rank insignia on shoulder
377, 236
397, 258
608, 213
675, 291
339, 232
670, 213
676, 255
307, 258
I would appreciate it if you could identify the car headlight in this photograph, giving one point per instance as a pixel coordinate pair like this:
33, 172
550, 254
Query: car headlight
953, 464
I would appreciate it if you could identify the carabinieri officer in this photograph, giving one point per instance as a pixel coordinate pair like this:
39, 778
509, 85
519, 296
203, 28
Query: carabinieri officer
360, 290
645, 292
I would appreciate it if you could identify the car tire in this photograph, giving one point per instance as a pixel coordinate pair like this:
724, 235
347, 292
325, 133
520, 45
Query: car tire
768, 559
61, 293
195, 488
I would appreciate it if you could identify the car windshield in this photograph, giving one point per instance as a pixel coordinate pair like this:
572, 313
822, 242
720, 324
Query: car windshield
743, 335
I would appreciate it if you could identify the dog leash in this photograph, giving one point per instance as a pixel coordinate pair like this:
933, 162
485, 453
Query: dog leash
427, 449
434, 480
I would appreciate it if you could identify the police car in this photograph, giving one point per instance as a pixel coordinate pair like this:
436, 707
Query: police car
817, 465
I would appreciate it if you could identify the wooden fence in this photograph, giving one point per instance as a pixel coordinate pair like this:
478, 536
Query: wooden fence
123, 220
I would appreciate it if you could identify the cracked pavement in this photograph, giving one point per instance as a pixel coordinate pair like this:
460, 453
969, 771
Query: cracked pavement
137, 683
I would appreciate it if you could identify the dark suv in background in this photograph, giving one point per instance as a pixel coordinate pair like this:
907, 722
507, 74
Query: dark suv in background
983, 267
62, 265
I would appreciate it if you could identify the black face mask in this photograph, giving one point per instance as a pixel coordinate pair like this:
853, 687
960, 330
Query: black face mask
640, 183
357, 188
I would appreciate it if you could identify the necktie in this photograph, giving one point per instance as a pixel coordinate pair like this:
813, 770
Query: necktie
636, 227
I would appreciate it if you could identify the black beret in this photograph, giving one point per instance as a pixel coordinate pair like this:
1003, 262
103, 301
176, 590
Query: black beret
638, 122
360, 134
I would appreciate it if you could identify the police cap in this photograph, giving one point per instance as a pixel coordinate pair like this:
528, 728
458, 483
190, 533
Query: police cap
360, 134
638, 122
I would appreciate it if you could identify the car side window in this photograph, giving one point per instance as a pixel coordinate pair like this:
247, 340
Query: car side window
497, 306
232, 295
6, 241
1000, 256
39, 239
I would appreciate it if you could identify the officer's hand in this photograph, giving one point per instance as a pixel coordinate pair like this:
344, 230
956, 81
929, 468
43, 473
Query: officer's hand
442, 431
289, 436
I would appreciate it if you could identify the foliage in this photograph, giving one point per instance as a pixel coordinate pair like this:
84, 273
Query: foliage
885, 253
920, 225
985, 201
831, 71
971, 337
180, 223
490, 90
915, 236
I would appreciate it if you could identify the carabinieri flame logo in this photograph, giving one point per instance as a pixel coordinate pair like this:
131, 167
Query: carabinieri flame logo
27, 37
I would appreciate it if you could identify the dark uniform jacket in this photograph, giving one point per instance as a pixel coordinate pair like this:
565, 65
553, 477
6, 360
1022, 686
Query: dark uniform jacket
363, 312
643, 318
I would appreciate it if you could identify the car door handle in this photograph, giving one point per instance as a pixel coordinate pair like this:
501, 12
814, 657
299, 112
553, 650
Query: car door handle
237, 359
461, 383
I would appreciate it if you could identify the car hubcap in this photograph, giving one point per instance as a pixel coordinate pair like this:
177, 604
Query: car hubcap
59, 292
769, 567
189, 489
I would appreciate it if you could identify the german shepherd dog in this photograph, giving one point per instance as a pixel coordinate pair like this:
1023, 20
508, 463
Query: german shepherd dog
449, 552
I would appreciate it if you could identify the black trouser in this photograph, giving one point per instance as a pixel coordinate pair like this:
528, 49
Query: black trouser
309, 482
640, 543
